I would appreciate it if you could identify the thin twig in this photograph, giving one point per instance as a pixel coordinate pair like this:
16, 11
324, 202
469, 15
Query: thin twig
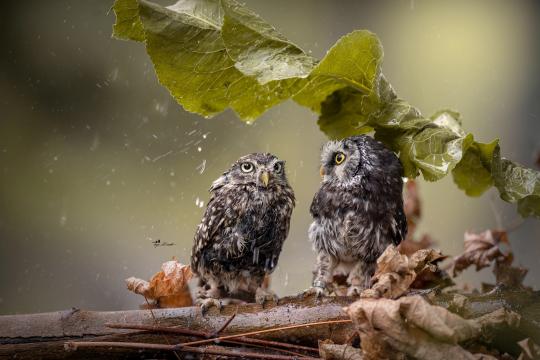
221, 329
266, 347
189, 332
198, 342
74, 345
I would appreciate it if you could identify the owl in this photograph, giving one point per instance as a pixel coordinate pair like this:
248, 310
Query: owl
357, 211
241, 234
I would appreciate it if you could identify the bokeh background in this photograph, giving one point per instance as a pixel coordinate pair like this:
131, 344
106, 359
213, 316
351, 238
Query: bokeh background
97, 160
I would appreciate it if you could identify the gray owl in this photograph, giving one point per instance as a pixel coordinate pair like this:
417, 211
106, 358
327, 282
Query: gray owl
357, 211
239, 239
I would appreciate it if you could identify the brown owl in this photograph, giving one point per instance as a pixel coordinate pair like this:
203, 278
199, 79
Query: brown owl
241, 234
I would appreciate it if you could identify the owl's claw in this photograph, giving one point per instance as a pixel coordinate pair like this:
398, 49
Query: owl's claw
354, 290
264, 295
208, 303
317, 291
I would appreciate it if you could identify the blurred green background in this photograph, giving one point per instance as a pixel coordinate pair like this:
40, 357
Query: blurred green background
97, 160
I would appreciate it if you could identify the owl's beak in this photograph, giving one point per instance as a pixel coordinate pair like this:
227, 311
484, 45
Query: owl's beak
264, 177
321, 171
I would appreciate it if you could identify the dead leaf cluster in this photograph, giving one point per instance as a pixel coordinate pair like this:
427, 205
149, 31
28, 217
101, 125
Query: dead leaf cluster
486, 248
481, 249
396, 272
410, 325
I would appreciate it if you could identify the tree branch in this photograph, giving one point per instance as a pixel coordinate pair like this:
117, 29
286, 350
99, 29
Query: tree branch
43, 335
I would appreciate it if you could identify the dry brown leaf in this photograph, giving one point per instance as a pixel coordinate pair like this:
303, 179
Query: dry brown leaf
481, 249
169, 287
396, 272
531, 351
413, 326
330, 351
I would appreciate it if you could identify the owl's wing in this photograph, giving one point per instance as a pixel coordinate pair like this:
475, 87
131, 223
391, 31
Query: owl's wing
314, 209
400, 231
214, 219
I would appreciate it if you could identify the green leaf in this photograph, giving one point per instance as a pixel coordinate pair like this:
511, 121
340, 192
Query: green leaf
517, 183
128, 25
433, 147
216, 54
354, 61
260, 51
473, 173
186, 44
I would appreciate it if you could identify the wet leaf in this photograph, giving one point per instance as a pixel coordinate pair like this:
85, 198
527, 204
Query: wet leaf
412, 326
517, 183
169, 287
187, 43
216, 54
128, 25
396, 272
259, 50
480, 250
352, 63
477, 160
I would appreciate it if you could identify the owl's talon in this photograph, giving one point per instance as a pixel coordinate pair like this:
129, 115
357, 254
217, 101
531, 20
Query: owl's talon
264, 295
354, 290
206, 304
317, 291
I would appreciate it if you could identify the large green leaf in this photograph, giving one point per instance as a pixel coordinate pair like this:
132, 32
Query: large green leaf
186, 45
216, 54
477, 160
353, 62
258, 50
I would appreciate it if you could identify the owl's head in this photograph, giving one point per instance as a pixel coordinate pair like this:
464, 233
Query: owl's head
359, 159
263, 170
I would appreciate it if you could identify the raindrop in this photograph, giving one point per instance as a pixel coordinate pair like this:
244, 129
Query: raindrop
201, 167
199, 202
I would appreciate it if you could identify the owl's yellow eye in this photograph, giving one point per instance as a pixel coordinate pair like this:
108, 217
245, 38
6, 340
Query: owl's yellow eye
340, 157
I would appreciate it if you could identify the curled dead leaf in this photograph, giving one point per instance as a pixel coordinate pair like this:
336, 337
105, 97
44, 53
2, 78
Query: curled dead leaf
396, 272
414, 327
481, 249
491, 246
169, 287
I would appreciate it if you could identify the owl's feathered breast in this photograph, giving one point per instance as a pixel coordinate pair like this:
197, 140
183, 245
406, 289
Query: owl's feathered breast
352, 220
243, 229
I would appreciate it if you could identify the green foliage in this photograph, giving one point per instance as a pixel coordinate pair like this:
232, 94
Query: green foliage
216, 54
